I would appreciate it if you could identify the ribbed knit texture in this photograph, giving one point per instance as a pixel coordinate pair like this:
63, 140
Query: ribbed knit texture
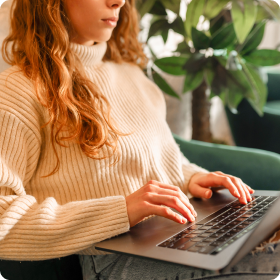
84, 202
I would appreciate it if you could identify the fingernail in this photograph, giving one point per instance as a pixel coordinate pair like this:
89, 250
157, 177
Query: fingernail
184, 221
208, 194
237, 193
195, 213
192, 218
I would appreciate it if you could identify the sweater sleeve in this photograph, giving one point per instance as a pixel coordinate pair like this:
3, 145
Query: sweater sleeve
33, 231
189, 169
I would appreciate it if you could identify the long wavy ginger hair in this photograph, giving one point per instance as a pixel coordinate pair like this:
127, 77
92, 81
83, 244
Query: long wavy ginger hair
40, 47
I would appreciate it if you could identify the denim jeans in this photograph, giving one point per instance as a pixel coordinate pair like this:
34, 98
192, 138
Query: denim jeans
260, 266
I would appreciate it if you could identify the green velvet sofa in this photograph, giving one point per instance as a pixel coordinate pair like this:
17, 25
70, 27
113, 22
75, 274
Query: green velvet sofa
259, 169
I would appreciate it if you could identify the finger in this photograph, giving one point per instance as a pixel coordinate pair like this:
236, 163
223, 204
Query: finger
216, 180
201, 192
239, 183
251, 191
248, 195
166, 213
170, 201
178, 194
244, 195
172, 191
162, 185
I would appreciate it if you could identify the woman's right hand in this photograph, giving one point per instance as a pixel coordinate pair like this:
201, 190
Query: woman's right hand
152, 198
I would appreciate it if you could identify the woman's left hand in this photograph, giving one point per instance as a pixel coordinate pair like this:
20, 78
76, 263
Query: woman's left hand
201, 185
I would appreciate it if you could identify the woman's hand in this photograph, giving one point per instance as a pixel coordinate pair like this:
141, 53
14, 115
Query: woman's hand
200, 183
152, 199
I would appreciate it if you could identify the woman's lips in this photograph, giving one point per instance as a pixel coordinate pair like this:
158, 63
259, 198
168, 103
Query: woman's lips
111, 21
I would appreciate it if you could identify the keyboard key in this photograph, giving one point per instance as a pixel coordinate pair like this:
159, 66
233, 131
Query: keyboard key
210, 240
210, 224
191, 235
194, 227
198, 231
180, 242
205, 227
207, 250
228, 226
194, 249
234, 223
222, 231
241, 226
217, 220
216, 235
202, 244
217, 227
229, 234
236, 230
247, 222
216, 243
204, 235
197, 239
186, 246
211, 230
222, 239
240, 219
228, 220
186, 231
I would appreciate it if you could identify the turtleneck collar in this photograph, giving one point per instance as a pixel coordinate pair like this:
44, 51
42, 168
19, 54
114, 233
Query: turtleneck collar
89, 55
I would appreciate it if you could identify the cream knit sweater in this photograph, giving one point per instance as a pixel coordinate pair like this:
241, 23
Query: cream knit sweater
84, 202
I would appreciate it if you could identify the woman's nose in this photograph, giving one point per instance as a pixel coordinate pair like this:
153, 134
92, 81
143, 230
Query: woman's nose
116, 3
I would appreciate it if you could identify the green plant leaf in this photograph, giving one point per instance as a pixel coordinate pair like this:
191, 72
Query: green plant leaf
214, 7
194, 11
263, 57
157, 27
146, 7
258, 88
216, 24
195, 63
254, 39
178, 26
172, 65
158, 9
236, 89
263, 14
271, 8
223, 37
163, 85
233, 61
208, 76
243, 16
183, 48
193, 81
164, 34
172, 5
200, 40
233, 97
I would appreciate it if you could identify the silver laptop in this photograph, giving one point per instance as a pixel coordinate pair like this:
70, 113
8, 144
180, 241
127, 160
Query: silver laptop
223, 233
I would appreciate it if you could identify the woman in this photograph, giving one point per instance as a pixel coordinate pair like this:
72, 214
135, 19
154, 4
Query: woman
85, 149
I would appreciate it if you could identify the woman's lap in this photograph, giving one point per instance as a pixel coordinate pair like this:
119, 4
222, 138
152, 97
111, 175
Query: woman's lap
265, 265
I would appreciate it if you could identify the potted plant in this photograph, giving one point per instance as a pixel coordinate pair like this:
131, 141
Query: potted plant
221, 58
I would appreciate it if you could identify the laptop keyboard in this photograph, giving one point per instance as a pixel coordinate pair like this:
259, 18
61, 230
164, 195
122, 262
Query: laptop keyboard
217, 231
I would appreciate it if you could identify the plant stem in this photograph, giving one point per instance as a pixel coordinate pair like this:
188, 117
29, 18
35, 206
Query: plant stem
201, 114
